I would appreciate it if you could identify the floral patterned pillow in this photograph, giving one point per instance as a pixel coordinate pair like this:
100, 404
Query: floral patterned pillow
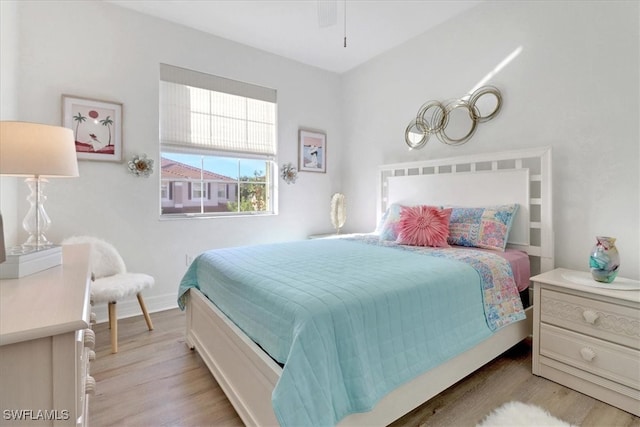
388, 230
486, 227
424, 226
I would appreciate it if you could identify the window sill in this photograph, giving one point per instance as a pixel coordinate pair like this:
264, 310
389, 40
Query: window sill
173, 217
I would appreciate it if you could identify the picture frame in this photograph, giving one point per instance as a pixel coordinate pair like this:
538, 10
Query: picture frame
312, 151
96, 125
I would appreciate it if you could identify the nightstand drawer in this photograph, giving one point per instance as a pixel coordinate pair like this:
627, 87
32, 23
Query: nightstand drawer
600, 319
611, 361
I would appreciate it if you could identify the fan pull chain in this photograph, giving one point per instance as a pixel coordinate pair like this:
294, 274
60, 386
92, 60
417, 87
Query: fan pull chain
345, 23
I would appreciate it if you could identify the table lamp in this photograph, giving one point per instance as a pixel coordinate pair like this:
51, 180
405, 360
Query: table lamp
38, 152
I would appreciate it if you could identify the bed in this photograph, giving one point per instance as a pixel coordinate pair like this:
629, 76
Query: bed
254, 380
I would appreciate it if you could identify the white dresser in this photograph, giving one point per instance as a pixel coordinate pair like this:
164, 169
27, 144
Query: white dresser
46, 344
588, 338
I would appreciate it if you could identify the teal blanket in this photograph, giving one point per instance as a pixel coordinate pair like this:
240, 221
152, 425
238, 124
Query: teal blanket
350, 321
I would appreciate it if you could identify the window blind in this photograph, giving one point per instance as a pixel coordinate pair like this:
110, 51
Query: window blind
199, 111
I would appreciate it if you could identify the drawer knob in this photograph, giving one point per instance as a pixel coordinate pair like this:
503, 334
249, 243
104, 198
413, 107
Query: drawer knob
590, 316
587, 354
89, 338
90, 385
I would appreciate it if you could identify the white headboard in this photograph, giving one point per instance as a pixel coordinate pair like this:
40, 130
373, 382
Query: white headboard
522, 177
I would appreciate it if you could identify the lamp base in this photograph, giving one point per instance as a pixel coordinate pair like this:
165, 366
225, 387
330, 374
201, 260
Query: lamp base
36, 222
23, 261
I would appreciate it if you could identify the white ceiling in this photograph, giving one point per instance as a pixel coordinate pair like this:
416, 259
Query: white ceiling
291, 28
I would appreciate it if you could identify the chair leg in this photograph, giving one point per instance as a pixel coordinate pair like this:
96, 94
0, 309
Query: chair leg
113, 322
147, 318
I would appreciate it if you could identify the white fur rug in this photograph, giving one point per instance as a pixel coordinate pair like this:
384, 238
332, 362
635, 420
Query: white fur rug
520, 414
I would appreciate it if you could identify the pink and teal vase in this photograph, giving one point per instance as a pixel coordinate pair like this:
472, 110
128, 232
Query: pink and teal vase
604, 260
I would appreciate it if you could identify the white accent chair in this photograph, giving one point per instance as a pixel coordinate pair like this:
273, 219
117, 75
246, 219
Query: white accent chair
111, 281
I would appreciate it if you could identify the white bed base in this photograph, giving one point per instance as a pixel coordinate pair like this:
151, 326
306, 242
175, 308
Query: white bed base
247, 375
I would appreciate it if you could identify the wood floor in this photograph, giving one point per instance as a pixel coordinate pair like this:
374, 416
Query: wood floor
155, 380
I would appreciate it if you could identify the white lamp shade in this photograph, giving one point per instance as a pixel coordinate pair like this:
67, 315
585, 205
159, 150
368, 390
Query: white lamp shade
32, 149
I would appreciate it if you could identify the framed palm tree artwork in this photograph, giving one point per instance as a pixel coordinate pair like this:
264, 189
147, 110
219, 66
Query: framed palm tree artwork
96, 125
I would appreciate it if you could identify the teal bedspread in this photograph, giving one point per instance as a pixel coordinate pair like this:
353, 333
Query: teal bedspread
352, 319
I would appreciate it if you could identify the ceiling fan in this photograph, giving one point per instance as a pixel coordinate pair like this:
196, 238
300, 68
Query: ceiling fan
328, 15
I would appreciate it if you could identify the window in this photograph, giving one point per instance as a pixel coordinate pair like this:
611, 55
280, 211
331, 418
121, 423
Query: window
222, 191
164, 190
199, 190
217, 145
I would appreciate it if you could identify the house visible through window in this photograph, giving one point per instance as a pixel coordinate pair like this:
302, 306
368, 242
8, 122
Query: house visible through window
217, 145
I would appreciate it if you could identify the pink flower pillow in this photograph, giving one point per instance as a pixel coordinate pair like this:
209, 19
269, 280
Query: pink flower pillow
424, 226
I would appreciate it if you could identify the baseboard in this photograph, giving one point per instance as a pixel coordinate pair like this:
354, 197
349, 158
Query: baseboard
130, 307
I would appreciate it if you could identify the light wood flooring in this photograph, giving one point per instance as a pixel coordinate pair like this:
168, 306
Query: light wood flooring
155, 380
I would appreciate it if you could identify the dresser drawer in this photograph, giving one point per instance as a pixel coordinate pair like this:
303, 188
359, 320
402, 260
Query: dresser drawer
611, 361
600, 319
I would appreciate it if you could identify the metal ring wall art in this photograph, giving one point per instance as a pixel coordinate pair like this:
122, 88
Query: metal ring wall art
437, 118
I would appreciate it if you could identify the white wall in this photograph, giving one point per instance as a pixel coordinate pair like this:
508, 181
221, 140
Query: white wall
574, 87
98, 50
8, 110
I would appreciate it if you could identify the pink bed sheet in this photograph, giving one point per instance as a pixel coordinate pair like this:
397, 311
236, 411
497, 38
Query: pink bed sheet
520, 265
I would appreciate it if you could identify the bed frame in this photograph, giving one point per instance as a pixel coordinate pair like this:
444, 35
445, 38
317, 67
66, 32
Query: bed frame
248, 375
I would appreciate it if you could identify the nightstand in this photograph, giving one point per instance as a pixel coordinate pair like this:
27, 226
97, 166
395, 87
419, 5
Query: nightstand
322, 236
46, 344
586, 336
